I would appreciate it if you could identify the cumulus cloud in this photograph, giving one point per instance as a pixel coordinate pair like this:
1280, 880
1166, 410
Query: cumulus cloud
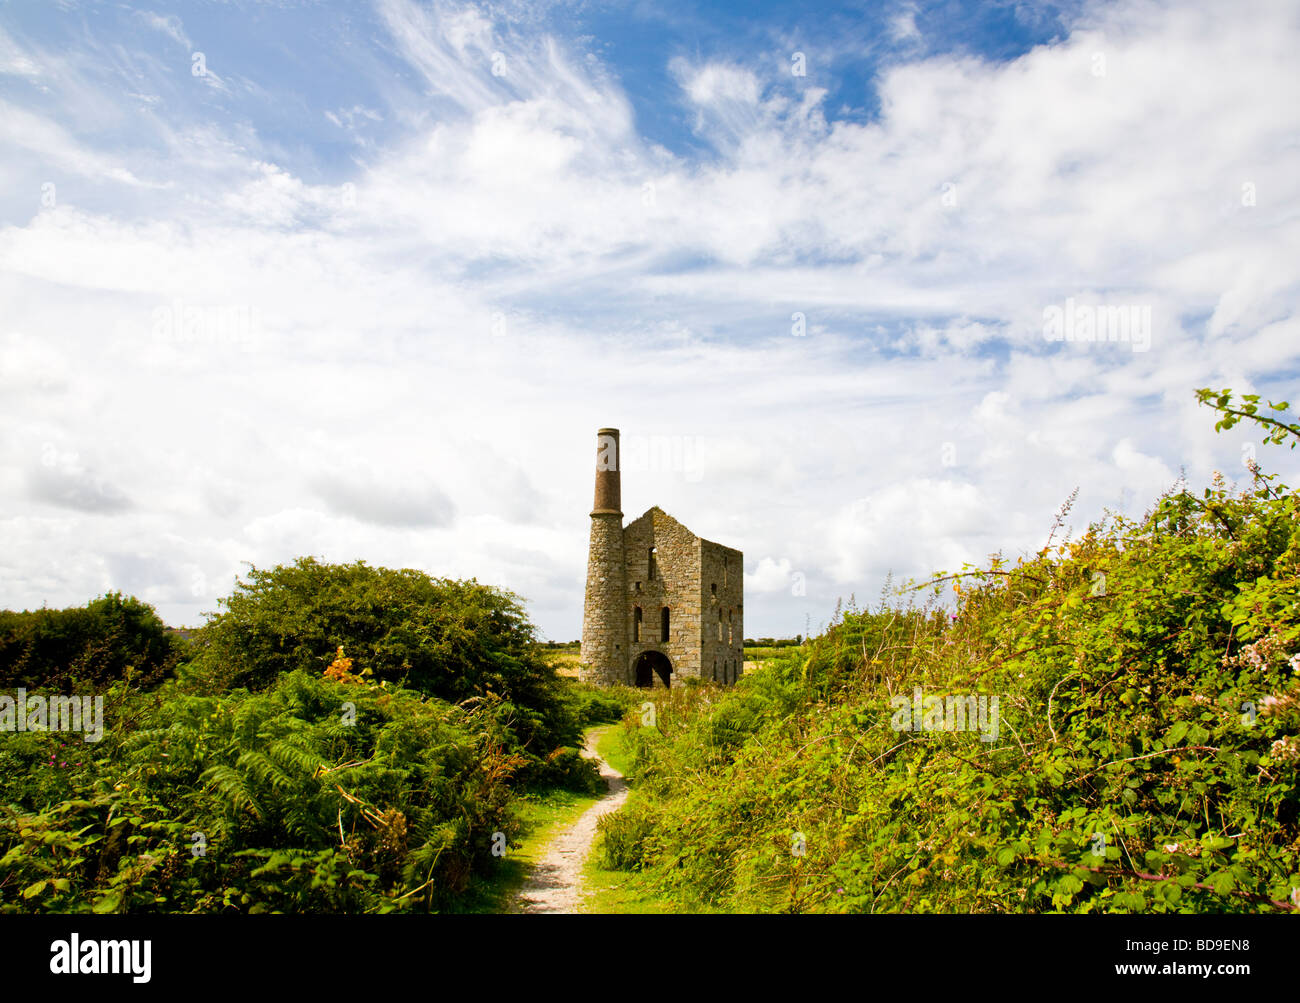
375, 499
770, 575
65, 482
840, 322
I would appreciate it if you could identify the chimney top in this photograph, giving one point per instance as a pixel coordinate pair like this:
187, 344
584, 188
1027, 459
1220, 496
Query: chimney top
608, 481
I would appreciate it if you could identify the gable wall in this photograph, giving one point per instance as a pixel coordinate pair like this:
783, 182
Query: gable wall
722, 567
676, 585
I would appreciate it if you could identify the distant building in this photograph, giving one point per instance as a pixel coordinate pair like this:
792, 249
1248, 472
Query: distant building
662, 604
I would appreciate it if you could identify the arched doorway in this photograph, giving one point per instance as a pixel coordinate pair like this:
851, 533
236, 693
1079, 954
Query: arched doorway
650, 664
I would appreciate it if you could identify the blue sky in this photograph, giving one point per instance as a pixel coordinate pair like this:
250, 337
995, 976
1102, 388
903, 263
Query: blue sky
290, 66
362, 280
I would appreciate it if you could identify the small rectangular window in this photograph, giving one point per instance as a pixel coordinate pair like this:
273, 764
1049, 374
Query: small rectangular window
636, 623
663, 623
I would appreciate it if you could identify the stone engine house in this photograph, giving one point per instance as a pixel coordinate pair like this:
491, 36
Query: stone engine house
662, 604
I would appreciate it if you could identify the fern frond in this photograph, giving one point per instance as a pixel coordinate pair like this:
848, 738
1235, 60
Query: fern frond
229, 783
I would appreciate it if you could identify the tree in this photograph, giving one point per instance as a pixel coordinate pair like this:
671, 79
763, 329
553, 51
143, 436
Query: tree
453, 639
108, 638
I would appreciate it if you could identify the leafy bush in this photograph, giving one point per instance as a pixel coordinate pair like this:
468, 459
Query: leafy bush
93, 644
569, 769
628, 838
1146, 759
456, 640
344, 738
313, 794
598, 705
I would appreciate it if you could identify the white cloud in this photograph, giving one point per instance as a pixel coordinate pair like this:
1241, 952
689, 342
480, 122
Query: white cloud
439, 336
14, 61
168, 24
902, 26
770, 576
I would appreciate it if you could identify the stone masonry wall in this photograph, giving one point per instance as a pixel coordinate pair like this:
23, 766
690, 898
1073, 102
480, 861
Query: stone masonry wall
701, 583
603, 656
675, 585
722, 593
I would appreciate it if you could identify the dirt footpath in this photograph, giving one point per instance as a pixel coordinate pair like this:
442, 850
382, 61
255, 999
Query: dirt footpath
555, 884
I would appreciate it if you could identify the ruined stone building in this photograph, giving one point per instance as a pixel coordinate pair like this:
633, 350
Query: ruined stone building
662, 604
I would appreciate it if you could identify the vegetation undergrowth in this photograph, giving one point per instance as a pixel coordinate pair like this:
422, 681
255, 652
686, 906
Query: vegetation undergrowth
338, 738
1121, 734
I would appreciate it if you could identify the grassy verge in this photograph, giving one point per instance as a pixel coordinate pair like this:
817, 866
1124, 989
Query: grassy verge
620, 891
611, 748
544, 813
757, 656
565, 660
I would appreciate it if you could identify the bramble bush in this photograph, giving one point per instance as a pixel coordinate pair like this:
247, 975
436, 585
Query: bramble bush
312, 795
91, 645
1146, 761
456, 640
344, 738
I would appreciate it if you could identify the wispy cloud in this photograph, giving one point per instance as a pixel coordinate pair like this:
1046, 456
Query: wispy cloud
168, 24
401, 351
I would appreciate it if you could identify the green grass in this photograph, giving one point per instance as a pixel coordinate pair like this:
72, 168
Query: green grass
620, 891
756, 654
610, 747
565, 660
617, 891
543, 813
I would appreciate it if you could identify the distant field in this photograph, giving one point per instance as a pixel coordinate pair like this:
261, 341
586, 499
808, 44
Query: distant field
565, 660
755, 655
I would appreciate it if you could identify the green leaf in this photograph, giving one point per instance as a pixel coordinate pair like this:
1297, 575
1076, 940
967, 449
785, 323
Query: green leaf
1223, 882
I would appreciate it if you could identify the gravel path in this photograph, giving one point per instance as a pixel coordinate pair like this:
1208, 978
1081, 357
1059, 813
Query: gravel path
555, 884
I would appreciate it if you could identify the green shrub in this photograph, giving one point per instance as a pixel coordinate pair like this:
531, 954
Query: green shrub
590, 705
311, 795
1148, 675
460, 641
569, 769
107, 639
628, 838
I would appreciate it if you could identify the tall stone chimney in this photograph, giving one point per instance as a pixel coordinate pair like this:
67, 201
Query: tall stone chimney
604, 655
